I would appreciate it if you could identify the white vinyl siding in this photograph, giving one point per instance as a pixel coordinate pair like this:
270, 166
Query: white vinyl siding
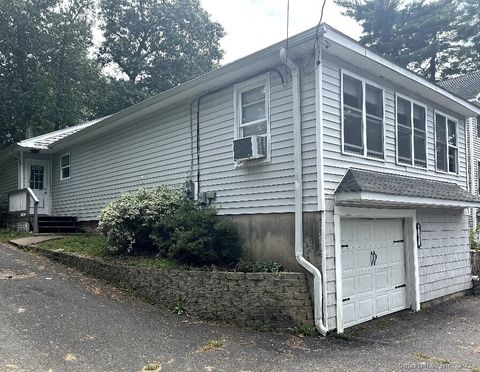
8, 181
157, 150
444, 258
337, 161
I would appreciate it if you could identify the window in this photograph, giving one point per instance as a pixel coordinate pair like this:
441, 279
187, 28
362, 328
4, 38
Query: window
37, 173
362, 118
252, 105
411, 133
446, 143
65, 167
478, 125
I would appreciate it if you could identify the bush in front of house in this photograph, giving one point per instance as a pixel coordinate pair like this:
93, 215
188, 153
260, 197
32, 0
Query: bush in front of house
473, 236
164, 222
128, 221
196, 235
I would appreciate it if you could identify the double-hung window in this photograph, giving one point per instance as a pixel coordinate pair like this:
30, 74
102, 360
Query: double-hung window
446, 143
65, 167
411, 133
362, 118
252, 106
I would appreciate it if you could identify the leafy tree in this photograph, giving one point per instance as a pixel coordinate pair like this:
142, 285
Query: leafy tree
45, 72
437, 39
157, 44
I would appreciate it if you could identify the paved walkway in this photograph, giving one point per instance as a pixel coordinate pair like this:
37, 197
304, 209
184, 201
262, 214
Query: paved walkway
23, 242
54, 318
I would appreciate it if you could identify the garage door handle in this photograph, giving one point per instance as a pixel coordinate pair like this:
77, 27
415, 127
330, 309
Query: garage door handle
346, 299
375, 258
371, 258
400, 286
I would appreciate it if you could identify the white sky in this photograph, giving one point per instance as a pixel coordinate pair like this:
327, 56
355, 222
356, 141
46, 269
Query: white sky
252, 25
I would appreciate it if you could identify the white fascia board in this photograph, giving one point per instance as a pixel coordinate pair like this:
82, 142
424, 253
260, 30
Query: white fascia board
346, 198
343, 40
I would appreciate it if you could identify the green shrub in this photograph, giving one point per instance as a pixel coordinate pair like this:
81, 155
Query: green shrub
267, 266
128, 221
474, 241
196, 235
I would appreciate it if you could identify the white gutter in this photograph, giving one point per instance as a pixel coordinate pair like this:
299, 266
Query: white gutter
297, 145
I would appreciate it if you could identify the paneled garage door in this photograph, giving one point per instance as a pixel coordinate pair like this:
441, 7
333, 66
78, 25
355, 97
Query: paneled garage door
373, 262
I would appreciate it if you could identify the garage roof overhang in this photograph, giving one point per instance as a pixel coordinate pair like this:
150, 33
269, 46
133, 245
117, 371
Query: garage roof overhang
360, 187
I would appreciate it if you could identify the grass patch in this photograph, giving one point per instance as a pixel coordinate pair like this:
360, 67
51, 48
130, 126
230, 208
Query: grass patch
213, 345
7, 235
306, 330
84, 245
427, 358
152, 367
93, 245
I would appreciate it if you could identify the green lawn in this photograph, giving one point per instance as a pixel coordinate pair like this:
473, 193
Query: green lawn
7, 235
94, 246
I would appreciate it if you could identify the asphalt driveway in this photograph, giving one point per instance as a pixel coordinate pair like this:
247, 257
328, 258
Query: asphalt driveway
53, 318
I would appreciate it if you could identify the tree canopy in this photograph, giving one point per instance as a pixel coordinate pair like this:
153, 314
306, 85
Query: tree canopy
53, 74
438, 39
158, 44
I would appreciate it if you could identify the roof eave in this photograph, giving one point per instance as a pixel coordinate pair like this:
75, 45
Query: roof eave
379, 199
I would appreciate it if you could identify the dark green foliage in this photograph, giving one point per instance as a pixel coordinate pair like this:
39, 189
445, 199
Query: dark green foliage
473, 236
437, 39
268, 266
45, 73
196, 235
50, 73
128, 221
158, 44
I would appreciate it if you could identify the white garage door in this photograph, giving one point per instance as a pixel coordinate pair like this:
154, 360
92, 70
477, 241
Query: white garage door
373, 262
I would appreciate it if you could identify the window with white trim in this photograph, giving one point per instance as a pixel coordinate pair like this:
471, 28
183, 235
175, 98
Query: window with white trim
446, 143
65, 167
252, 105
411, 133
362, 118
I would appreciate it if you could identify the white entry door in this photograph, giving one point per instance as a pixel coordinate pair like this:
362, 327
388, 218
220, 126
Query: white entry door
373, 269
37, 177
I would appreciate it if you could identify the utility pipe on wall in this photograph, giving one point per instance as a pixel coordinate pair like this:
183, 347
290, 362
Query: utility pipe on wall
297, 145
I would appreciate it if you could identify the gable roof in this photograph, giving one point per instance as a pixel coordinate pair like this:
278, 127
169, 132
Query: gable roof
466, 86
44, 141
363, 181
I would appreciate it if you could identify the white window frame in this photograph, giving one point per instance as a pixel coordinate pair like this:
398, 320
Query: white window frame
412, 127
238, 89
364, 116
62, 167
447, 118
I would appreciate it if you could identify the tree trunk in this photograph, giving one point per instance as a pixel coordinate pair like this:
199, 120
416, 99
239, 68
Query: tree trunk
432, 70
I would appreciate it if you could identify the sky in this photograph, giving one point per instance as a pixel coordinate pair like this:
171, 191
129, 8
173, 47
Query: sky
252, 25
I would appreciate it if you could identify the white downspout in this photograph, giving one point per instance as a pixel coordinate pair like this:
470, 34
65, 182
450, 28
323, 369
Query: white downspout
297, 146
473, 189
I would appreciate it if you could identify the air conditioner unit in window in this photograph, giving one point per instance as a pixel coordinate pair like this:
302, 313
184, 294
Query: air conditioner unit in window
249, 148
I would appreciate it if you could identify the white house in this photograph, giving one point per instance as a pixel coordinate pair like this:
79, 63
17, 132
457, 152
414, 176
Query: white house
468, 88
325, 155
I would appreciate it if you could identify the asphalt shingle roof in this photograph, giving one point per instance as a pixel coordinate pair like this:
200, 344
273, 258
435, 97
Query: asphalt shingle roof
466, 86
357, 180
42, 142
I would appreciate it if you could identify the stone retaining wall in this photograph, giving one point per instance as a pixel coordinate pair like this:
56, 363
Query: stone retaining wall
269, 300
